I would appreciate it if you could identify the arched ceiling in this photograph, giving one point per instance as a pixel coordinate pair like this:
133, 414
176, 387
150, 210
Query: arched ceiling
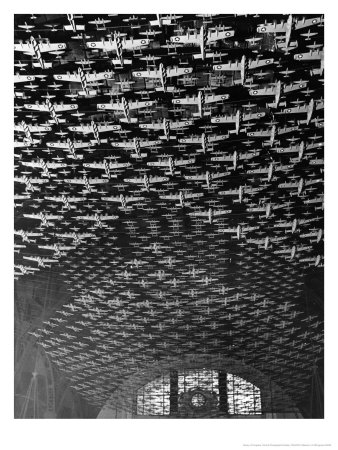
169, 175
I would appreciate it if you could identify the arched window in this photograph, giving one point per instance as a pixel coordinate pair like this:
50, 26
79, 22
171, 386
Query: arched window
198, 393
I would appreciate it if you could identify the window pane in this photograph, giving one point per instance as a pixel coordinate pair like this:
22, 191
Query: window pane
153, 399
243, 397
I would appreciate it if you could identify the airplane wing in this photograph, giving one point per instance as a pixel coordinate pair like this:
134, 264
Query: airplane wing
32, 216
220, 212
229, 230
215, 137
94, 165
110, 45
67, 145
85, 218
31, 258
138, 105
53, 165
186, 39
185, 101
53, 217
33, 128
147, 74
120, 106
263, 91
86, 129
110, 165
31, 164
143, 143
181, 124
151, 126
199, 213
229, 66
18, 78
158, 163
134, 180
288, 185
98, 76
111, 106
75, 180
38, 181
97, 181
54, 199
215, 98
224, 119
229, 158
253, 116
195, 177
170, 197
215, 176
193, 195
171, 72
133, 199
158, 179
75, 199
49, 47
57, 108
219, 35
183, 162
72, 77
295, 87
178, 71
64, 107
109, 217
111, 199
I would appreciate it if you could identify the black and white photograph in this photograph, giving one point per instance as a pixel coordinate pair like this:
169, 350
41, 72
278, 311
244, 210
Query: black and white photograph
169, 217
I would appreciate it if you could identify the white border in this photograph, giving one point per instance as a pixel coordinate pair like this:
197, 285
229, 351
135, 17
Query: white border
179, 434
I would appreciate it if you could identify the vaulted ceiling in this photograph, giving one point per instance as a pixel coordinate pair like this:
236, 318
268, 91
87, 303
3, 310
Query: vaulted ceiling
169, 176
